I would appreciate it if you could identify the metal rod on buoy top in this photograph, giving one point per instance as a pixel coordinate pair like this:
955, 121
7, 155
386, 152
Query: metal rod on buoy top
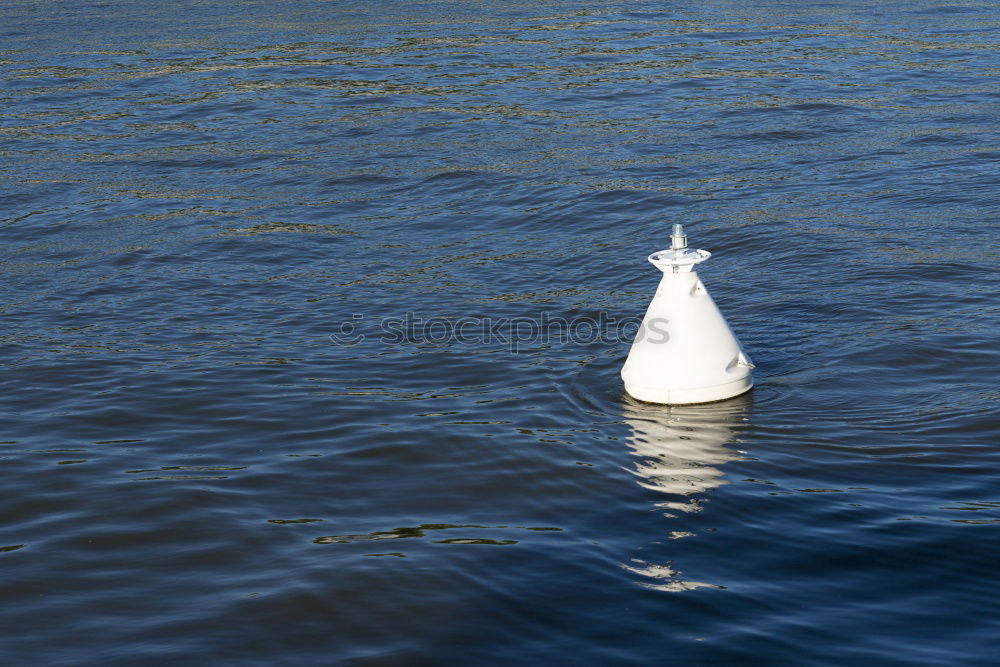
684, 352
678, 239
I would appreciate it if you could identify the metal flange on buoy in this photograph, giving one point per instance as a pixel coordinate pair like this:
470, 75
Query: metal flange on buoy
684, 351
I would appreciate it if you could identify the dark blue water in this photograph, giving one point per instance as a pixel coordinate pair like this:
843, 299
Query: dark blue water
213, 452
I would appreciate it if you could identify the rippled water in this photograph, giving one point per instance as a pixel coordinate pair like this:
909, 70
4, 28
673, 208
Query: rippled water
200, 200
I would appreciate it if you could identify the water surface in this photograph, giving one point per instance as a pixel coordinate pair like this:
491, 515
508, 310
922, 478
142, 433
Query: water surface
205, 206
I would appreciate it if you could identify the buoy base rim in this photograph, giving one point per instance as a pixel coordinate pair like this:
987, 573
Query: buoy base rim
662, 396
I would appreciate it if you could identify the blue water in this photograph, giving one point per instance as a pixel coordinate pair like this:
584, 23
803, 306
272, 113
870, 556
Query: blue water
213, 214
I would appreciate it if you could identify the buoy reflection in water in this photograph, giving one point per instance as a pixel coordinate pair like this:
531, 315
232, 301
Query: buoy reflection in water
679, 451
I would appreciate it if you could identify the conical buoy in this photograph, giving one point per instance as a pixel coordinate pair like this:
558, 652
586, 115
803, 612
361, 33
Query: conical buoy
684, 352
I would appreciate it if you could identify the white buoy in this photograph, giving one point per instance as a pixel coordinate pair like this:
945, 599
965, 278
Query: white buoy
684, 352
